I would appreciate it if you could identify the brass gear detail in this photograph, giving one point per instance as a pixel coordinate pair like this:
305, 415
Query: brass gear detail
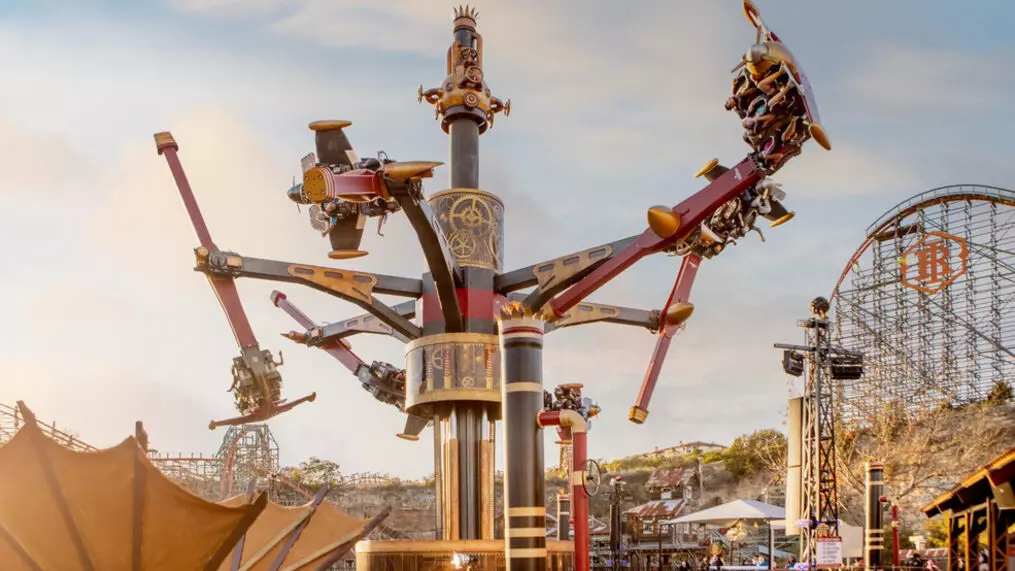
437, 358
471, 214
462, 243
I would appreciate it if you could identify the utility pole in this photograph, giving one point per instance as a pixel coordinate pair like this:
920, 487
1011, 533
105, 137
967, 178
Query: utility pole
616, 496
819, 499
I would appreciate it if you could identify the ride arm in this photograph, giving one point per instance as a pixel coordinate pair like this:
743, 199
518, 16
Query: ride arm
223, 286
384, 381
552, 276
447, 276
356, 287
586, 312
413, 426
256, 381
678, 222
364, 323
338, 349
673, 317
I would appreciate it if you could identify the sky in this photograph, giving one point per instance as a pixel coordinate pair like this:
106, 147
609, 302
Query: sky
615, 105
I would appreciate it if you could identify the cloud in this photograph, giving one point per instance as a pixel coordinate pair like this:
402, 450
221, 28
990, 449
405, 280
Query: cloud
917, 81
581, 62
232, 8
35, 159
848, 169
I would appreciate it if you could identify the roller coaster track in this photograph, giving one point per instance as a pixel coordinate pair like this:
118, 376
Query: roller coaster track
11, 421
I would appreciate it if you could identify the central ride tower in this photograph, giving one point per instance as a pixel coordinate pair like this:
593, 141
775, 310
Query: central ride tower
453, 370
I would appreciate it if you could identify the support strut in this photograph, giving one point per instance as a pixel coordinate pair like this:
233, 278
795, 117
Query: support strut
672, 318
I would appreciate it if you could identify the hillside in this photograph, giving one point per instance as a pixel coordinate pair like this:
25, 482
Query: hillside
924, 455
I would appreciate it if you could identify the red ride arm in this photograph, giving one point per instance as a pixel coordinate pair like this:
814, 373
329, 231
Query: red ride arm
225, 288
680, 293
338, 349
692, 212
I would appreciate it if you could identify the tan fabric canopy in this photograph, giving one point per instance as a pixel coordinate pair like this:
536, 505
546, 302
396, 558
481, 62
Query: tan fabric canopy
305, 537
107, 510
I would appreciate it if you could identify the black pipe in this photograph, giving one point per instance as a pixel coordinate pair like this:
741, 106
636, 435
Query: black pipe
469, 417
521, 342
874, 535
464, 167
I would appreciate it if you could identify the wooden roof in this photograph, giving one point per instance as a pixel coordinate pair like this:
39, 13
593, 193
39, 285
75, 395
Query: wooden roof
978, 487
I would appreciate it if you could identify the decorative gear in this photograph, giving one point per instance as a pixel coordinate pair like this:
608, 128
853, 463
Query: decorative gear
469, 56
462, 244
471, 99
471, 214
437, 359
474, 75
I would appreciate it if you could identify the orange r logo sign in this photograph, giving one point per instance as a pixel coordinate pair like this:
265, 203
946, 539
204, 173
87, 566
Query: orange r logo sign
934, 262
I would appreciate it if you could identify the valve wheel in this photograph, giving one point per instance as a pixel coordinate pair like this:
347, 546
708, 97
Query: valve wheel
592, 477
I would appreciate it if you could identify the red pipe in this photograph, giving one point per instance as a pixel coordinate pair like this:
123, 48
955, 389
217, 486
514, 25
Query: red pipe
576, 429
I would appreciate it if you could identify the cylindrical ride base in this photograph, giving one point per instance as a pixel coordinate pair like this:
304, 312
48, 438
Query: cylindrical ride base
454, 378
436, 555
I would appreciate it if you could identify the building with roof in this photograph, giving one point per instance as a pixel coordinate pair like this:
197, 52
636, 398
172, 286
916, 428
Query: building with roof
981, 506
675, 483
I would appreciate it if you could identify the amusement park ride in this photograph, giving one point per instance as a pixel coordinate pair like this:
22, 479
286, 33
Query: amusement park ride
452, 377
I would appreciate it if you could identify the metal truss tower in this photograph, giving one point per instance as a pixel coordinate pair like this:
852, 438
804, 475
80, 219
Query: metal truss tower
823, 363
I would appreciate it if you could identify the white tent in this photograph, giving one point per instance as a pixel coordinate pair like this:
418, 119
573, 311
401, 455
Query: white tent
732, 512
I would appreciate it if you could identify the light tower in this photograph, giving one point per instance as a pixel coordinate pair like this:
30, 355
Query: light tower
815, 480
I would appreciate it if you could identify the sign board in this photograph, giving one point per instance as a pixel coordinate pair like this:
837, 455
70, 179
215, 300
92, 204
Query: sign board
829, 552
934, 262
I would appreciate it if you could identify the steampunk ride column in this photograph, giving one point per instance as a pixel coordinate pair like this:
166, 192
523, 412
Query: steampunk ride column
453, 371
521, 339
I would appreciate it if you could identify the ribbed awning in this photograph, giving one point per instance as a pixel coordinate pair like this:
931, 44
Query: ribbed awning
310, 536
105, 510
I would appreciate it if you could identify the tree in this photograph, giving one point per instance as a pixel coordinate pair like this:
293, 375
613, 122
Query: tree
937, 532
315, 473
1000, 394
761, 452
925, 453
